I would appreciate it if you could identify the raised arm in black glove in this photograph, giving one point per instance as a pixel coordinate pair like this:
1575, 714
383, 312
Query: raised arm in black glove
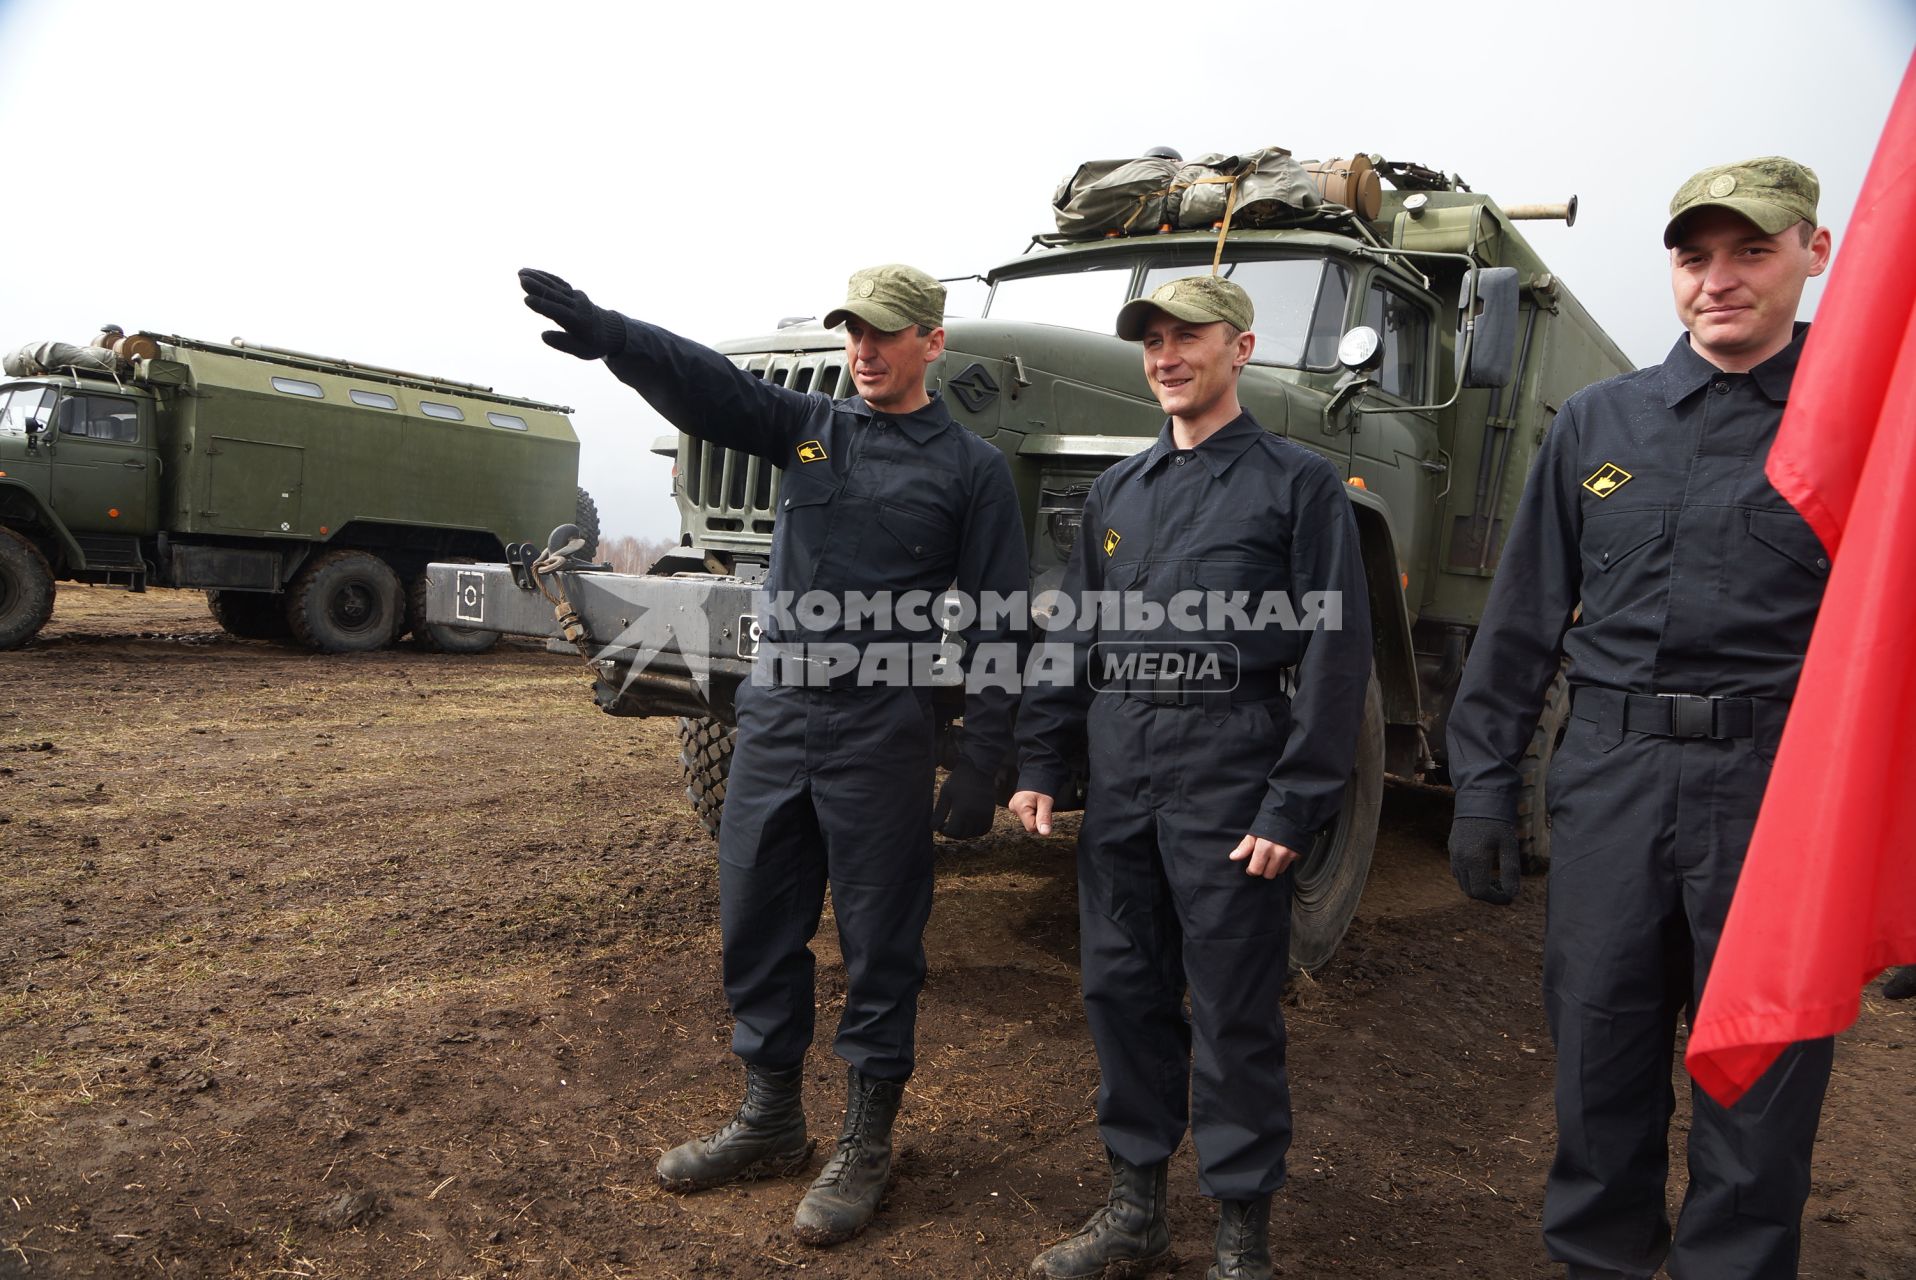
1483, 857
587, 331
966, 804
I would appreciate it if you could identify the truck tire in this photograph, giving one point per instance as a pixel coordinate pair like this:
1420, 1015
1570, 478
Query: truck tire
345, 602
1329, 878
1533, 809
26, 590
587, 518
249, 615
436, 637
705, 757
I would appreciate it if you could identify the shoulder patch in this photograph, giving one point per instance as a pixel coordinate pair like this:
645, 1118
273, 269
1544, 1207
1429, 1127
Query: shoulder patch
811, 451
1111, 540
1607, 479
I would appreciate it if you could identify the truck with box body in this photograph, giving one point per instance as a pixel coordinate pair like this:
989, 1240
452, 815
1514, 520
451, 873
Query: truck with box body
305, 495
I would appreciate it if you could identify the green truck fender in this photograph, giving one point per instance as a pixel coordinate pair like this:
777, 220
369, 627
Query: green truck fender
1392, 656
16, 498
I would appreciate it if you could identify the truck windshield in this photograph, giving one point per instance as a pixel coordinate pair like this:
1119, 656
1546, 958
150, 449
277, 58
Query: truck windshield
1299, 301
21, 406
1085, 299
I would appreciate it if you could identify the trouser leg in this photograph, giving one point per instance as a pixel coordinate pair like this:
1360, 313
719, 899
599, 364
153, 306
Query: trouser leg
1749, 1164
873, 784
1750, 1173
771, 883
1130, 949
1616, 976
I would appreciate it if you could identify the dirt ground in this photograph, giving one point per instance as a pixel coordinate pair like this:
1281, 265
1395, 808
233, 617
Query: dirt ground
400, 964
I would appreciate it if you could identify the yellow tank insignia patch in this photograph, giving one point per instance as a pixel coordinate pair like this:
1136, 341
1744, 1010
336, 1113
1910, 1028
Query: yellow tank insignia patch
1110, 542
811, 451
1607, 479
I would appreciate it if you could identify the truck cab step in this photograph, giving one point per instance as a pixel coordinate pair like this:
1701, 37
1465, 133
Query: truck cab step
112, 552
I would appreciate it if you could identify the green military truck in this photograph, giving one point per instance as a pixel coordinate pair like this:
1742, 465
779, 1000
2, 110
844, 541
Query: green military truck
305, 495
1365, 302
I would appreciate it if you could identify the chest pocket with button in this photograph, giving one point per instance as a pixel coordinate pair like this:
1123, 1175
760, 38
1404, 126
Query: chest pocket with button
924, 543
1788, 536
1783, 575
805, 506
1625, 561
919, 536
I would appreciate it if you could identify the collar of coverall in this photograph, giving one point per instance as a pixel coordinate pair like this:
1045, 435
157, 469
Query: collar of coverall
1216, 451
919, 425
1685, 372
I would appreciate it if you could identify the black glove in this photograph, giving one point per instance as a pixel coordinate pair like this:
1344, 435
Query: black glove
1481, 848
966, 804
586, 331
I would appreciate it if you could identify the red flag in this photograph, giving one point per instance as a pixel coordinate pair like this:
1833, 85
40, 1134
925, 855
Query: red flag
1827, 898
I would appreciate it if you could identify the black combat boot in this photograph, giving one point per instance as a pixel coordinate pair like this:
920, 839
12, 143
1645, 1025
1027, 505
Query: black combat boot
766, 1138
1127, 1237
841, 1202
1243, 1240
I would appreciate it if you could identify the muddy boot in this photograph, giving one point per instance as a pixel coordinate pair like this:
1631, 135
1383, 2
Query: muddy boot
765, 1139
1901, 984
1127, 1237
1243, 1240
841, 1202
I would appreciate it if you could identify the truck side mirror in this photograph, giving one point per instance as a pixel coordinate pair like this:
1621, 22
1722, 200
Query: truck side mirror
1487, 327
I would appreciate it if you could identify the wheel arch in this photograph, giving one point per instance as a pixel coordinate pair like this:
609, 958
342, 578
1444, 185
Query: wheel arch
1392, 656
409, 548
26, 513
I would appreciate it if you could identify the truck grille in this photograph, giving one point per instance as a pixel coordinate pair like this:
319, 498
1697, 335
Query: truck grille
734, 495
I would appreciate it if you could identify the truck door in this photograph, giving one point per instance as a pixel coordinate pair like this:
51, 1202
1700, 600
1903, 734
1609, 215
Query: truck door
24, 414
1389, 450
253, 485
105, 469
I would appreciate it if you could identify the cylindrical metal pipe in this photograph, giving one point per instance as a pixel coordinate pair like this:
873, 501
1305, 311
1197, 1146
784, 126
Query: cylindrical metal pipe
1565, 212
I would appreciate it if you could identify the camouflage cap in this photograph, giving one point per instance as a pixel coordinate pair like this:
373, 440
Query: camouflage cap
1199, 299
890, 298
1773, 192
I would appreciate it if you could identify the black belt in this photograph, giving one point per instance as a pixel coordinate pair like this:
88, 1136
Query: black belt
1669, 715
1169, 693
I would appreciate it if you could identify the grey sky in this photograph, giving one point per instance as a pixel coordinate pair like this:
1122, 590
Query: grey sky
363, 179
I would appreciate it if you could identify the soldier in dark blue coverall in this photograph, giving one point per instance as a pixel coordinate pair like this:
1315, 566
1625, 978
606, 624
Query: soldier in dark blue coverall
1205, 781
1698, 585
831, 778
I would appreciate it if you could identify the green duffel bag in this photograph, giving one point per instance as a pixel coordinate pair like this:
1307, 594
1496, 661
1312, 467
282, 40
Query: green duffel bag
1123, 197
1271, 187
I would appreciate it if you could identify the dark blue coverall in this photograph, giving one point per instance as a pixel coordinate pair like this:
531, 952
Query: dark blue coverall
834, 782
1649, 507
1181, 770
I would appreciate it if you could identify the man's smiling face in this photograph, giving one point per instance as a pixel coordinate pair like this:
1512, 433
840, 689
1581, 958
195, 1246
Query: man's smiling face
1737, 289
1192, 367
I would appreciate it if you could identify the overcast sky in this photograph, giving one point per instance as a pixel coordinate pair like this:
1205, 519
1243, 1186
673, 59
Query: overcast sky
362, 180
